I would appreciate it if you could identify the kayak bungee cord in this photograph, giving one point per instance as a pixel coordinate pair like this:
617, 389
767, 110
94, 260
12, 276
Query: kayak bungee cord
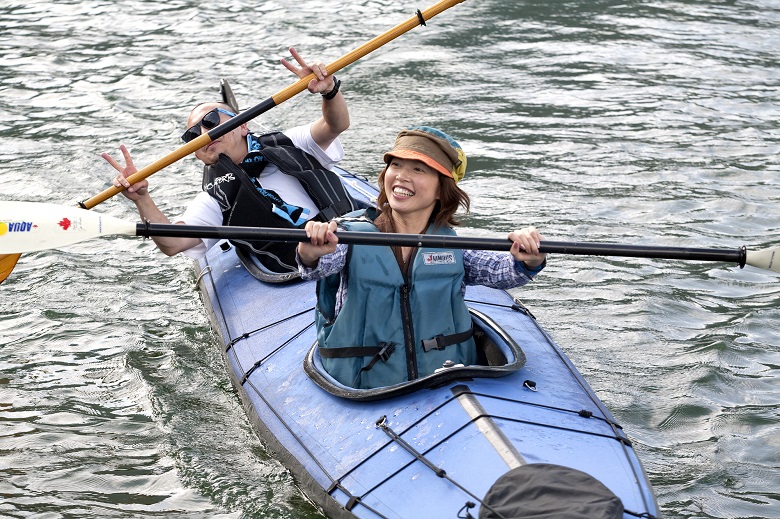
394, 436
246, 335
584, 413
260, 362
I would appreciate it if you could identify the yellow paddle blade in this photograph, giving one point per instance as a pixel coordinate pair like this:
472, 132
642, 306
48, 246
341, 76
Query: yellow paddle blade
7, 264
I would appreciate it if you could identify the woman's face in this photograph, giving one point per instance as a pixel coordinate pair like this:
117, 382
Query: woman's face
412, 187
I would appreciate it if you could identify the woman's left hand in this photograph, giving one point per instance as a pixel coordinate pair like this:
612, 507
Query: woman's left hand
525, 246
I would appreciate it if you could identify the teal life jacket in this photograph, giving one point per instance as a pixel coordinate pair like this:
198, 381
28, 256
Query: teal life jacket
244, 203
391, 328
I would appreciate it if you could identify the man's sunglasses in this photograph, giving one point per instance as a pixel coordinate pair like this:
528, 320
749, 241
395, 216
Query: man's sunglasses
209, 121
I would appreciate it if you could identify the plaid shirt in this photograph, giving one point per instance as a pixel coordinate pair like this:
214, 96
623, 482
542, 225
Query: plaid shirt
492, 269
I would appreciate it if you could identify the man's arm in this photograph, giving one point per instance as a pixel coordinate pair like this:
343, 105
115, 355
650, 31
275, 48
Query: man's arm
147, 209
335, 114
334, 120
149, 212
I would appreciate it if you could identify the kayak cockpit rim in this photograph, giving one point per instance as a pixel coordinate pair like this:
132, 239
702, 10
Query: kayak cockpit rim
258, 270
498, 356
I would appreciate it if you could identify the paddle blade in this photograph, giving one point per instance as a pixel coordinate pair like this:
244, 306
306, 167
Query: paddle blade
30, 226
764, 259
7, 264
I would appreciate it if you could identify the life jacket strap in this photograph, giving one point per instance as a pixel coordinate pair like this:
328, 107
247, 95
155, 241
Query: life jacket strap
442, 341
381, 352
334, 210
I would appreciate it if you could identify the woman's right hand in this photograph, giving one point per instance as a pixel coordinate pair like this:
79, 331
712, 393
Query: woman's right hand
322, 241
135, 191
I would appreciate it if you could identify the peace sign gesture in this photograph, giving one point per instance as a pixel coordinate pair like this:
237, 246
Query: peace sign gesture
323, 82
135, 191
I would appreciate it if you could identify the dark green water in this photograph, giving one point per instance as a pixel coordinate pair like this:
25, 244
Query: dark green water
642, 122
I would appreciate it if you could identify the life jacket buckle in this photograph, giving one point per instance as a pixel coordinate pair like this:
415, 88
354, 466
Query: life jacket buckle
327, 214
437, 343
387, 349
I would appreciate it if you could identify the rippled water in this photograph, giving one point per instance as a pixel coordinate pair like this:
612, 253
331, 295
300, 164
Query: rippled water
634, 122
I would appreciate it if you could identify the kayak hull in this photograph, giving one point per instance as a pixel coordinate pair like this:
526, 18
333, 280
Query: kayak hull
427, 452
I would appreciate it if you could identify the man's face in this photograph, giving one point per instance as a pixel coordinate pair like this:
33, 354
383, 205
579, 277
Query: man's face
232, 144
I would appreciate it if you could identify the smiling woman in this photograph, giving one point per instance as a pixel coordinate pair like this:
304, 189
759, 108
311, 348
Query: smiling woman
402, 298
415, 389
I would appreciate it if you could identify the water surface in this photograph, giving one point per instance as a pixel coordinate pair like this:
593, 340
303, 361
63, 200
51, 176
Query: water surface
633, 122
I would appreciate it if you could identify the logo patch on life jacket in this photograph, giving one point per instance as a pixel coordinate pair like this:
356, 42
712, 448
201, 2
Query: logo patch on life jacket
439, 258
228, 177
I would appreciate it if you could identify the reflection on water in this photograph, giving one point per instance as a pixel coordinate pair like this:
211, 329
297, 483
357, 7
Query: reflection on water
640, 122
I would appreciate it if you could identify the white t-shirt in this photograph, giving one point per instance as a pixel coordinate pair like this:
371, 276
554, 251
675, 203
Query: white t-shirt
204, 209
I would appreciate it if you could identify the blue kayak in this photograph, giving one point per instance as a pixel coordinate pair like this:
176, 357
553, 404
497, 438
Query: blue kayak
520, 435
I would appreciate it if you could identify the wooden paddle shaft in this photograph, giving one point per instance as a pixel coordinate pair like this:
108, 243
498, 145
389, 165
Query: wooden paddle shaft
369, 47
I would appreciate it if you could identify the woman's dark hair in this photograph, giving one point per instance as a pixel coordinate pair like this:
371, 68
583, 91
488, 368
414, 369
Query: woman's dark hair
450, 198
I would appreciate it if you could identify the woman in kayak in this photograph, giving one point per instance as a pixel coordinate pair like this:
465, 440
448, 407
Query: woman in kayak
390, 314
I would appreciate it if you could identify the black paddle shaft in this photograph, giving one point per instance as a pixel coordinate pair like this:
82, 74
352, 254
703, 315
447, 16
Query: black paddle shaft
244, 117
737, 256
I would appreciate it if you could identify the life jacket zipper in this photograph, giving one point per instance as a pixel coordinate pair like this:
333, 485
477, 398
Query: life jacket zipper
408, 329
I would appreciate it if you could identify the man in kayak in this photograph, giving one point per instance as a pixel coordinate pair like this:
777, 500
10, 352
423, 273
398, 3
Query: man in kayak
272, 180
386, 315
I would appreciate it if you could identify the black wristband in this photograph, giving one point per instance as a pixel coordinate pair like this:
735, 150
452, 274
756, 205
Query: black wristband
336, 85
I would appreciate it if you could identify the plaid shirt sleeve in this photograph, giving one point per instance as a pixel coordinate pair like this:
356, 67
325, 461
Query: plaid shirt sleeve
496, 269
327, 265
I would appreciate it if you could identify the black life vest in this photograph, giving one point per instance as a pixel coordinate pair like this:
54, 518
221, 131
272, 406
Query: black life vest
243, 204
